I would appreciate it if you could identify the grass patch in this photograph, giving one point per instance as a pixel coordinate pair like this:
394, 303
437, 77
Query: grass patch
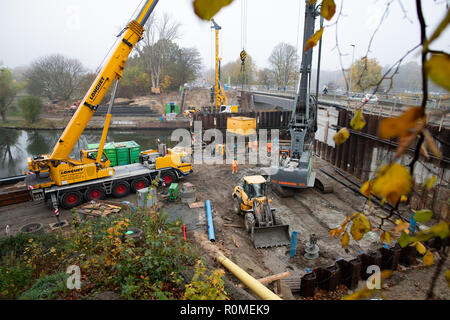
152, 266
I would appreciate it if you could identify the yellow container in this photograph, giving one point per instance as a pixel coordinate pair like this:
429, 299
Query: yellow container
241, 125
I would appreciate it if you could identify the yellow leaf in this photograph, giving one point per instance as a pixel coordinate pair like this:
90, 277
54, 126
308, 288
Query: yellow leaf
441, 27
400, 126
328, 9
358, 122
385, 237
341, 136
393, 181
430, 144
366, 189
420, 247
406, 140
333, 232
358, 295
438, 69
403, 198
345, 239
430, 182
402, 226
206, 9
388, 237
428, 258
424, 152
312, 42
360, 226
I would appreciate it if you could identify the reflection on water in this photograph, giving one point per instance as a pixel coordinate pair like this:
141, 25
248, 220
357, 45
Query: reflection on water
17, 145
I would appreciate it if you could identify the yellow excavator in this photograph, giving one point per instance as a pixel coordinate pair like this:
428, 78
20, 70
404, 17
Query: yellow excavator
69, 182
265, 226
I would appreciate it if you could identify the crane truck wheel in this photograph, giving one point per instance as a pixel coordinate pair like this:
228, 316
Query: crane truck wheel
139, 184
168, 178
94, 193
71, 199
121, 189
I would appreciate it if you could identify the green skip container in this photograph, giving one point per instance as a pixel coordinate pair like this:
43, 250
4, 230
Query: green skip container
123, 153
109, 149
119, 153
135, 150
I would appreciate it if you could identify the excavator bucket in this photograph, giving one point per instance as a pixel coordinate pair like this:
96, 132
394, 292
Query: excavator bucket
271, 236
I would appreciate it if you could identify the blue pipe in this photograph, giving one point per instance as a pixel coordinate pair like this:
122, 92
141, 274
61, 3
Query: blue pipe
212, 238
293, 243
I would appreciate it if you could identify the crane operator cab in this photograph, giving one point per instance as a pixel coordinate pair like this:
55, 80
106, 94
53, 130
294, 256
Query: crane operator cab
90, 156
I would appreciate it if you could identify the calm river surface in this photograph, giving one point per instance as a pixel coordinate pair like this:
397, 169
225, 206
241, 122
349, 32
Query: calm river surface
17, 145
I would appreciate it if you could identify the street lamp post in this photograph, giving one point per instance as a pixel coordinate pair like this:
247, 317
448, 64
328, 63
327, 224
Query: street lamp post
351, 71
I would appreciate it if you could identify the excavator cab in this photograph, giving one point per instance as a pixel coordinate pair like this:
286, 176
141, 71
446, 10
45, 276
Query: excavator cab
261, 221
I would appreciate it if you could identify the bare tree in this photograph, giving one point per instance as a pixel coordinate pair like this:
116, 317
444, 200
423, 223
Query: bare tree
55, 76
154, 48
284, 64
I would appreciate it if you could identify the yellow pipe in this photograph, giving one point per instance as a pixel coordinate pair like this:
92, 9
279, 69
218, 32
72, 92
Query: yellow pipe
257, 287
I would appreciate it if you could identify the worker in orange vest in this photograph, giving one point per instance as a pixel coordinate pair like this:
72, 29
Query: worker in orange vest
234, 165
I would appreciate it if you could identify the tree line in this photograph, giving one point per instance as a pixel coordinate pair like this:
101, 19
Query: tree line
158, 62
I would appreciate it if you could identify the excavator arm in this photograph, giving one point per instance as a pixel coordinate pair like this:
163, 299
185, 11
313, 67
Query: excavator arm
111, 71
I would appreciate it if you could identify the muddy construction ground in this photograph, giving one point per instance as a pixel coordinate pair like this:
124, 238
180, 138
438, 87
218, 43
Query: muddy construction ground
308, 212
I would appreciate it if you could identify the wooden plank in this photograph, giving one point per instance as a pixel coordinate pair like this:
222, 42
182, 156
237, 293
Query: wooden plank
196, 205
271, 278
232, 225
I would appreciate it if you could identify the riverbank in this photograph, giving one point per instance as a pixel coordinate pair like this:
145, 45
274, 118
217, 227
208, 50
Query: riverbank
118, 123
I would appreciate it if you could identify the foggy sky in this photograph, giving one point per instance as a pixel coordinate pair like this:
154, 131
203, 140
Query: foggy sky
86, 29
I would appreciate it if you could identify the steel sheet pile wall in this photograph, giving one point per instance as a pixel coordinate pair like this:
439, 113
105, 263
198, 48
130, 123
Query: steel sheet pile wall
363, 151
264, 120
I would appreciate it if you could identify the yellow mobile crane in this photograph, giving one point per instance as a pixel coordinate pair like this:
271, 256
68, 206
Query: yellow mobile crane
68, 181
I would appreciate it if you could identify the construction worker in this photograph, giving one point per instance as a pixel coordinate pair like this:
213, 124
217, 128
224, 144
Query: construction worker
234, 165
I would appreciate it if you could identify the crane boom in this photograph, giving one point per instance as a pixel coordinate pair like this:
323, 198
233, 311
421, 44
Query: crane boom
111, 70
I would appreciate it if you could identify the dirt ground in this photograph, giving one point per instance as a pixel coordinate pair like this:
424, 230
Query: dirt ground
308, 212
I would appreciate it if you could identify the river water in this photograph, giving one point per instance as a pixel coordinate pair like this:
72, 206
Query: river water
17, 145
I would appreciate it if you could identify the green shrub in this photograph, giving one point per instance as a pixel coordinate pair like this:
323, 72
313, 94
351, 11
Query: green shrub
16, 244
47, 288
206, 287
13, 279
31, 108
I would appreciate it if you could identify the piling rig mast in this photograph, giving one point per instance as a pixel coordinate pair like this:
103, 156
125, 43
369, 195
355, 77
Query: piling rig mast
220, 97
295, 169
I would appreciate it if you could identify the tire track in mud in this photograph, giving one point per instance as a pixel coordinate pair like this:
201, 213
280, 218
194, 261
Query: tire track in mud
294, 204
